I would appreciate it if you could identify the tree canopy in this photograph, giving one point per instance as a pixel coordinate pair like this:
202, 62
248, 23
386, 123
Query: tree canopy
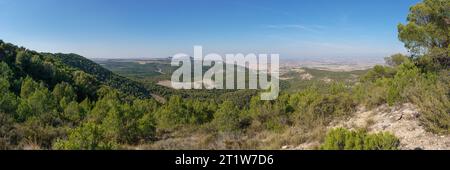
427, 35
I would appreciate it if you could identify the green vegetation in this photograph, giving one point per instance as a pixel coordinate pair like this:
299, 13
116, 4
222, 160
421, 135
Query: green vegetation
318, 78
342, 139
422, 78
178, 112
146, 73
64, 101
88, 136
151, 72
45, 95
109, 78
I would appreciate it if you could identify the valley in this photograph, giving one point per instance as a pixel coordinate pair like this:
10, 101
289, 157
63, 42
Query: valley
293, 76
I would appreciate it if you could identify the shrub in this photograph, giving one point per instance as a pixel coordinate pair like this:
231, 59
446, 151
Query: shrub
178, 111
432, 98
8, 100
378, 72
8, 132
312, 107
429, 91
127, 123
266, 115
226, 118
36, 132
88, 136
396, 60
372, 94
343, 139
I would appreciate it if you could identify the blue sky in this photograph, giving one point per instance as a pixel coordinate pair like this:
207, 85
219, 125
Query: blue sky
161, 28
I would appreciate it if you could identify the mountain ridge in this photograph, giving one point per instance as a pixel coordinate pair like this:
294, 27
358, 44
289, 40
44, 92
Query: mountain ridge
53, 68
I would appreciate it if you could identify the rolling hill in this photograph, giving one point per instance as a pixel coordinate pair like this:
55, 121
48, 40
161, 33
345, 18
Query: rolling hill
52, 69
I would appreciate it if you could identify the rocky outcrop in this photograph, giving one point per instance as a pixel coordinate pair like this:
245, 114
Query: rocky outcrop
402, 121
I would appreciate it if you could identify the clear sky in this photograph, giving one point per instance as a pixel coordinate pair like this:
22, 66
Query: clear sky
161, 28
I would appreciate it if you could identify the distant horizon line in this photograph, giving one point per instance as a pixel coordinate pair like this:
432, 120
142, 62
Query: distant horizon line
302, 58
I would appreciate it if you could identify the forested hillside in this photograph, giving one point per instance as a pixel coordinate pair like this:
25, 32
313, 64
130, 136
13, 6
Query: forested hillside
109, 78
44, 95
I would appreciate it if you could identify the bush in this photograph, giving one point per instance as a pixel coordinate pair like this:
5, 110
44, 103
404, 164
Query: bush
426, 89
431, 95
266, 114
372, 94
8, 132
226, 118
88, 136
407, 76
8, 100
378, 72
35, 132
396, 60
127, 123
312, 108
178, 111
343, 139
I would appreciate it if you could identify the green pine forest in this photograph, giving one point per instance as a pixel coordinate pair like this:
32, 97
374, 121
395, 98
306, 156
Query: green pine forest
67, 102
